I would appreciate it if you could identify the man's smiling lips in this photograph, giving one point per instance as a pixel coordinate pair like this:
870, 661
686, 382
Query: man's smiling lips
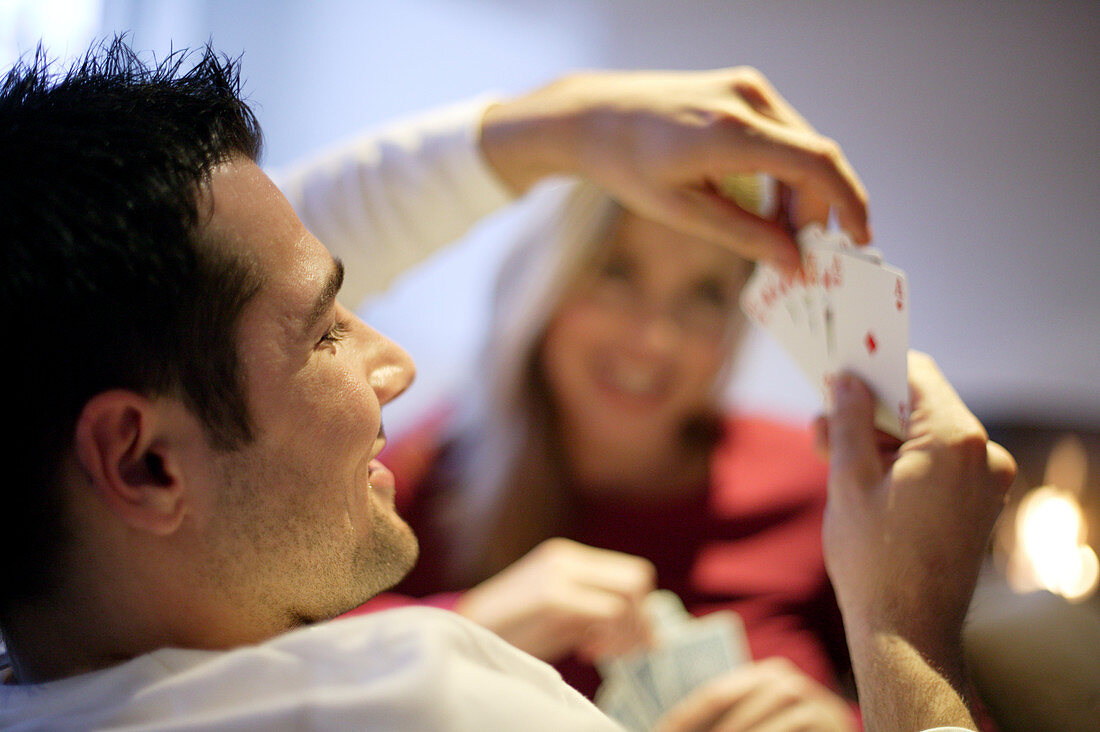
379, 477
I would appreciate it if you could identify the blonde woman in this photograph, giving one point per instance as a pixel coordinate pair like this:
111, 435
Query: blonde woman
593, 462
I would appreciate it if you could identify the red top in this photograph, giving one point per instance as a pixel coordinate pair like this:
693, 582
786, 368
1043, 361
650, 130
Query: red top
748, 542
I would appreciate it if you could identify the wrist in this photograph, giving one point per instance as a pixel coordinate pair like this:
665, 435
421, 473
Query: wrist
530, 137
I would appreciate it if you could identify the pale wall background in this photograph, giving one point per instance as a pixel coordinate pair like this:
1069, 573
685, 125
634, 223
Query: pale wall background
973, 124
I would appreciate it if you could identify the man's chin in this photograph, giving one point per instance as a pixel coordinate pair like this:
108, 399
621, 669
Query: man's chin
392, 557
381, 565
404, 561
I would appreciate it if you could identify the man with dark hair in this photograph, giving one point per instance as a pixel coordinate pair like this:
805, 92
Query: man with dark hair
76, 157
193, 485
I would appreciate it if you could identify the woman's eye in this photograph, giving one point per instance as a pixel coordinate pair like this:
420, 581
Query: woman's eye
616, 269
712, 293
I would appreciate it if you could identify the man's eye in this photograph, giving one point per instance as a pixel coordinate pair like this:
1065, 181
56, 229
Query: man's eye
335, 334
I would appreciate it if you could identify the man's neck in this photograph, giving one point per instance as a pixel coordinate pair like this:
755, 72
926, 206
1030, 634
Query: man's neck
95, 625
46, 644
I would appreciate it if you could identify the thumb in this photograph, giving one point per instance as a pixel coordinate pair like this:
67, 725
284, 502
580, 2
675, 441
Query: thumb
854, 459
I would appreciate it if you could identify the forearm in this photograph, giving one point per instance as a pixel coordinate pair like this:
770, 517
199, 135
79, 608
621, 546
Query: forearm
661, 142
903, 689
530, 137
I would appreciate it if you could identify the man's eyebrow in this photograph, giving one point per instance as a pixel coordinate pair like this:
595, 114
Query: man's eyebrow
327, 296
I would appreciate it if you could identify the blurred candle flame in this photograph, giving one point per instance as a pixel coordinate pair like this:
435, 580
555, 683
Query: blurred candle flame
1051, 550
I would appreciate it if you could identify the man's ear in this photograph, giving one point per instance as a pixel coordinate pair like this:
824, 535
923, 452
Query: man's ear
123, 444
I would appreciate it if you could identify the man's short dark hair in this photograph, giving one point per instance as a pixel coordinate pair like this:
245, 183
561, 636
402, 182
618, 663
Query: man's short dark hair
106, 280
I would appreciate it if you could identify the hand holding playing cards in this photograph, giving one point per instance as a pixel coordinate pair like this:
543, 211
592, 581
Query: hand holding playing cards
565, 597
904, 537
664, 143
772, 695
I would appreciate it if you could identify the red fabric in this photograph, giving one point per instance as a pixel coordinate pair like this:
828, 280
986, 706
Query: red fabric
391, 600
748, 542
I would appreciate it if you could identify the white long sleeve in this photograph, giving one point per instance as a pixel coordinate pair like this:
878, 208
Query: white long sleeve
389, 198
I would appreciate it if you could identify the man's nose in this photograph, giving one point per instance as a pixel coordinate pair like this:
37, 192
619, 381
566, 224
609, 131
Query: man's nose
392, 372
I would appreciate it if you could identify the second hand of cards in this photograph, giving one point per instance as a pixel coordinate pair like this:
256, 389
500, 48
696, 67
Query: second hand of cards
845, 311
640, 687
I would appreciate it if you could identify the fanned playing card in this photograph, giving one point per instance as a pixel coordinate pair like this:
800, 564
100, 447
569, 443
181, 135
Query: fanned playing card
845, 311
787, 311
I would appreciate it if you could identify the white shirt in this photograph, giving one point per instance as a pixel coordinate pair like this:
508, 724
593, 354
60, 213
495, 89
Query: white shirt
414, 668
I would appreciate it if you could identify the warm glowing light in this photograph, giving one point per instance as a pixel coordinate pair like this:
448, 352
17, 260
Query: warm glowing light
1051, 550
1088, 572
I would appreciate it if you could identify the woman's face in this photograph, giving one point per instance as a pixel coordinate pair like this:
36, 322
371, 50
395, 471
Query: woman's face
637, 345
